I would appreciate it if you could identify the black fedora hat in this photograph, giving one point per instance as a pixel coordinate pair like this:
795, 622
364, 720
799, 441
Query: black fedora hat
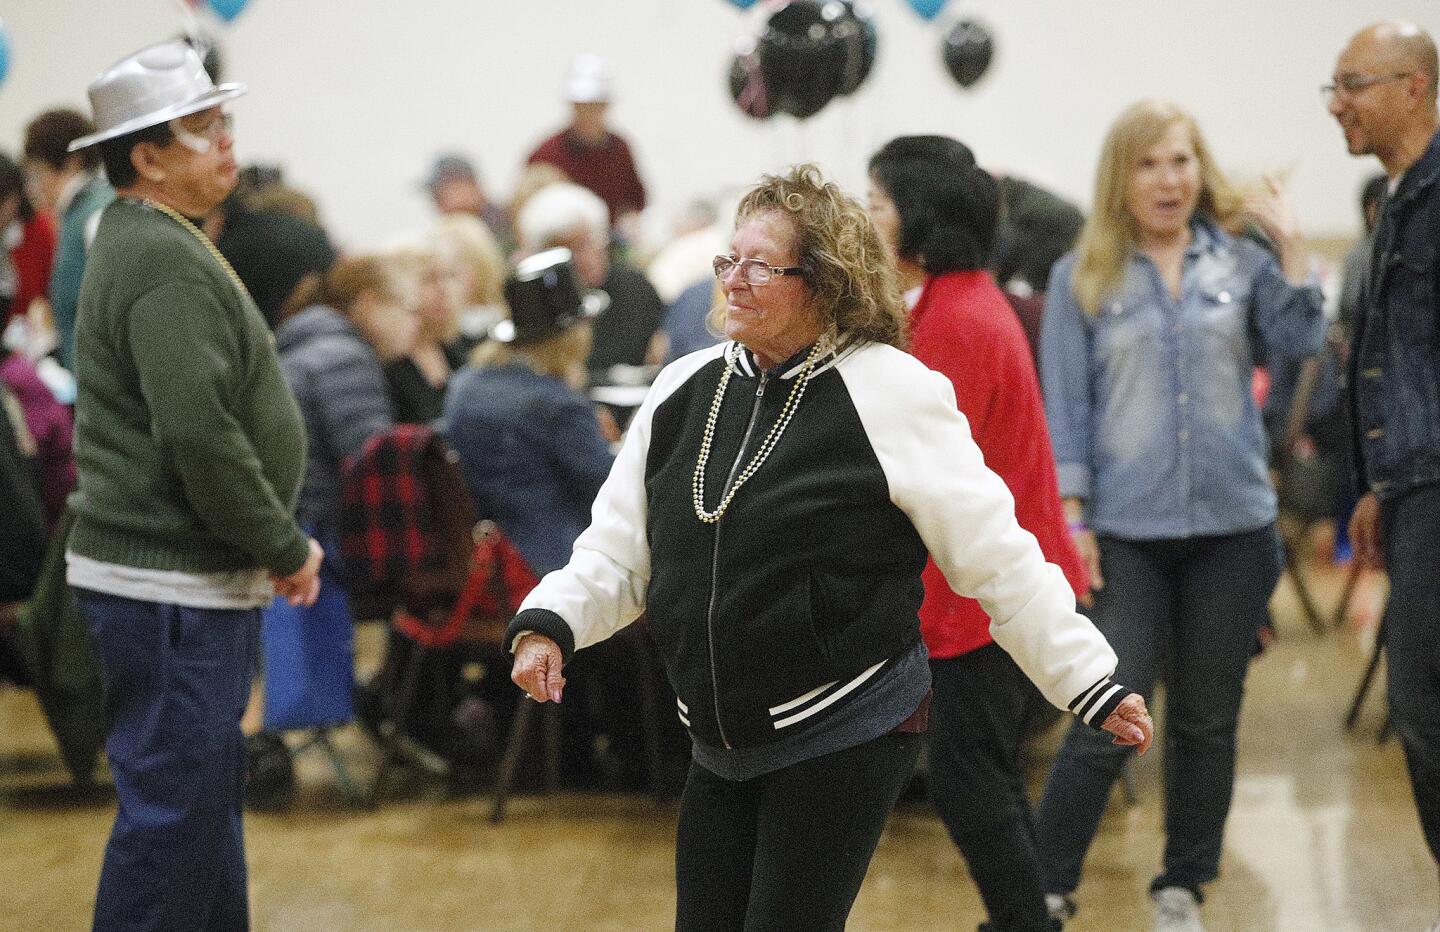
545, 299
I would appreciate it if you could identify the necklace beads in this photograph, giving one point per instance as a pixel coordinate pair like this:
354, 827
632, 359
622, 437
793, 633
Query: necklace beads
205, 241
792, 402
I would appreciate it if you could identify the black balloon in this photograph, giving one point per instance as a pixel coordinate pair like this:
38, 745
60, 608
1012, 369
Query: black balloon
747, 87
801, 58
967, 51
855, 27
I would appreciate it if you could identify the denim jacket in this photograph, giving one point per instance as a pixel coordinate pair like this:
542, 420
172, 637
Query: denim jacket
1149, 401
1395, 366
532, 454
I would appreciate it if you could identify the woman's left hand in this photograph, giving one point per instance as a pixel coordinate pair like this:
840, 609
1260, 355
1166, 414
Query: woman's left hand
1271, 210
1131, 724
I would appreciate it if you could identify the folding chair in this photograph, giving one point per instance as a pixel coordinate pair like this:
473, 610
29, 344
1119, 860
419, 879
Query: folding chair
460, 591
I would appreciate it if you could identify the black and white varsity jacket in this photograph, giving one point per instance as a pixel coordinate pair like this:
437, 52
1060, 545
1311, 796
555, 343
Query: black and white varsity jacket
809, 584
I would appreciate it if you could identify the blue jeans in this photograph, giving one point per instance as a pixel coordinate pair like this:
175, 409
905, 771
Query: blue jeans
1185, 610
1410, 527
177, 680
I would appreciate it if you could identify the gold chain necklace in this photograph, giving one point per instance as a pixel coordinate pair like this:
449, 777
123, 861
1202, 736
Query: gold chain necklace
697, 482
205, 241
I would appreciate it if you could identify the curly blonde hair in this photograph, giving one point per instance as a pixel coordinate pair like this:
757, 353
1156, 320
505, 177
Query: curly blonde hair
852, 278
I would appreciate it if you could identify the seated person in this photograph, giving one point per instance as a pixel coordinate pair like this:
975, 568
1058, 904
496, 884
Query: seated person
569, 216
418, 379
529, 441
331, 353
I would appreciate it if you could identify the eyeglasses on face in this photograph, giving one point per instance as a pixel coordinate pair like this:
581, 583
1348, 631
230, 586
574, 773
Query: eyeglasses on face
754, 271
1348, 85
199, 132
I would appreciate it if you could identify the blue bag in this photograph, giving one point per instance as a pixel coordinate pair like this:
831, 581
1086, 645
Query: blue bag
310, 660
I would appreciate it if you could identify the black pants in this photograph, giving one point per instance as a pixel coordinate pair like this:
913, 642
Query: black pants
1411, 534
977, 785
787, 850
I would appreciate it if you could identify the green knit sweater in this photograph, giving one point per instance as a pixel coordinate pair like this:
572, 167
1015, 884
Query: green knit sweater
189, 444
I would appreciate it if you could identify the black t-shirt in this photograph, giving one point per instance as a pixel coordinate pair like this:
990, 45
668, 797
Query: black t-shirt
623, 332
413, 398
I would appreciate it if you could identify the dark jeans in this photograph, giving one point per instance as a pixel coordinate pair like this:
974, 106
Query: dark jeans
1185, 610
177, 680
787, 850
976, 716
1411, 534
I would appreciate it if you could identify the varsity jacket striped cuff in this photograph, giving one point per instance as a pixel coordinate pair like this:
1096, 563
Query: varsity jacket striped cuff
1095, 704
542, 621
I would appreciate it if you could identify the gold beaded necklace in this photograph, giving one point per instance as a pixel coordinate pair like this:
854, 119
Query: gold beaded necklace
697, 482
199, 234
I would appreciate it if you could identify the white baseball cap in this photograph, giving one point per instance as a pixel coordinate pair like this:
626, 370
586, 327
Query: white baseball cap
589, 80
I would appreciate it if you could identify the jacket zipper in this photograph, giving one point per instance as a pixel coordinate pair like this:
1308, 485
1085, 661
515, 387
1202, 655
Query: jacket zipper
715, 556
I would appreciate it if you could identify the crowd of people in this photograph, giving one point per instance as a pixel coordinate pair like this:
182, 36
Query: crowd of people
912, 462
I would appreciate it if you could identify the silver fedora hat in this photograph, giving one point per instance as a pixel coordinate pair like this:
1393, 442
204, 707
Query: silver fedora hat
153, 86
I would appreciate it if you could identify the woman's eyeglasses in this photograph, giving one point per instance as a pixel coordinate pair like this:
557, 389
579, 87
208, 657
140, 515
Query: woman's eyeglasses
754, 271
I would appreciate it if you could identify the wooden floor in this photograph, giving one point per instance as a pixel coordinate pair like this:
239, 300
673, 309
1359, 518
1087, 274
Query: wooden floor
1323, 836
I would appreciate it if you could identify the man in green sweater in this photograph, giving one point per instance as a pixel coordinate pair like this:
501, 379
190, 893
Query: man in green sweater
190, 451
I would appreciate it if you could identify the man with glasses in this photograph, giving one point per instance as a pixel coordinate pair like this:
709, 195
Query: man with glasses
191, 452
1383, 96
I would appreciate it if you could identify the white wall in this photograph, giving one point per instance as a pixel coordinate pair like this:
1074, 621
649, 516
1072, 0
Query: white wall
355, 96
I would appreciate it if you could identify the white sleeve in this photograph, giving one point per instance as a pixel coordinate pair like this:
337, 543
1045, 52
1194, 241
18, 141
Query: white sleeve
966, 516
602, 588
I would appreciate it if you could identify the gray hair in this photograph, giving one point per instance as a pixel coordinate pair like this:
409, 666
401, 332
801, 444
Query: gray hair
557, 210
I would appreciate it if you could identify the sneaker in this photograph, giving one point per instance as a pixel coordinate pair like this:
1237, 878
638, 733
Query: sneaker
1176, 910
1059, 906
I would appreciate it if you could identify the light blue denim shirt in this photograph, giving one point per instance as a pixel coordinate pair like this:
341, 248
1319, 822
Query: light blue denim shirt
1148, 401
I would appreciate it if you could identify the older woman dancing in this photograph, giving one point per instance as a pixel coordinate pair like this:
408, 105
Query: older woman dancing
771, 510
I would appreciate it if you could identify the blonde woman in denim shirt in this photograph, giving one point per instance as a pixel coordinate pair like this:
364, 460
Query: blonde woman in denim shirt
1152, 329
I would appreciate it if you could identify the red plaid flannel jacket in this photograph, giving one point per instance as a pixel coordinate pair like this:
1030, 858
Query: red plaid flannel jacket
388, 527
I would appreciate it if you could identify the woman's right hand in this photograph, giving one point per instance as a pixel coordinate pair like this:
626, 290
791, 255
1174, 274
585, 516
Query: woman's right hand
1089, 552
537, 668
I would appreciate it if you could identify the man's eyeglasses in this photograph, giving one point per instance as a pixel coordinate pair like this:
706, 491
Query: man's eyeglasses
1351, 84
201, 131
754, 271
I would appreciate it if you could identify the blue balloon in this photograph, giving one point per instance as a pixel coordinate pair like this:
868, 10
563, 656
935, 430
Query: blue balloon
227, 9
4, 52
928, 9
743, 4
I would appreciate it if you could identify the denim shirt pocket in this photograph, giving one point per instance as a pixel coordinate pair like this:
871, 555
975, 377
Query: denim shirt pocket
1219, 302
1126, 325
1410, 291
1225, 304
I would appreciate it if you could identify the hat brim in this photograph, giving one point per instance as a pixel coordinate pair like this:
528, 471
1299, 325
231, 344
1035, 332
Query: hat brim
592, 305
213, 98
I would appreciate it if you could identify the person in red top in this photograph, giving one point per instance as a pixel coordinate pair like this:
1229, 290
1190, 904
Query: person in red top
29, 238
587, 151
937, 212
